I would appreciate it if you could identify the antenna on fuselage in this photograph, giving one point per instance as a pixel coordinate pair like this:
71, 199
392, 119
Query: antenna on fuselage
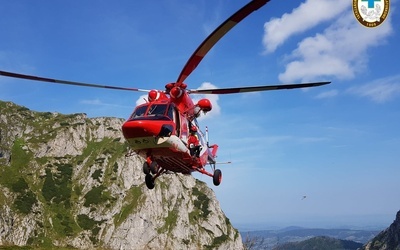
207, 137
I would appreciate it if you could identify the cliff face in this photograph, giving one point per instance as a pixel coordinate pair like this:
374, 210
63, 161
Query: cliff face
388, 239
65, 181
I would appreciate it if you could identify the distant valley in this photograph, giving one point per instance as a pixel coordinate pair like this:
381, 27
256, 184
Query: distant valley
269, 239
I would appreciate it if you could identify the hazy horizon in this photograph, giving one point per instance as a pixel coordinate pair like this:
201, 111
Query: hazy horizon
366, 222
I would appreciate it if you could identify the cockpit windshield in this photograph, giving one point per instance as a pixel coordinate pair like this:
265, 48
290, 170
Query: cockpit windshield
155, 110
139, 111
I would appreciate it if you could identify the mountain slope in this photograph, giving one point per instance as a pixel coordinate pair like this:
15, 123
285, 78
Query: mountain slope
387, 239
65, 181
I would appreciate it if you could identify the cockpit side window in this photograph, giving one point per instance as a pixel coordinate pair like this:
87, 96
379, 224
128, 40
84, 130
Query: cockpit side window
157, 109
171, 112
139, 111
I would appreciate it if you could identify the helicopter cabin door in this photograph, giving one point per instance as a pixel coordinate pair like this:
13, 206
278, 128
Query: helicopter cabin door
175, 117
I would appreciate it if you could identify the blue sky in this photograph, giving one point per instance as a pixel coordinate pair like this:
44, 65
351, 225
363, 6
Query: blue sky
337, 144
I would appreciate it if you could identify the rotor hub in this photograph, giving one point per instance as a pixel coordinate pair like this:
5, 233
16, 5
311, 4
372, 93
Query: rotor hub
176, 92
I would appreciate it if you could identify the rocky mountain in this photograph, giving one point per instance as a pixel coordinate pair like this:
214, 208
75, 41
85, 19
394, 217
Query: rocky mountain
388, 239
65, 181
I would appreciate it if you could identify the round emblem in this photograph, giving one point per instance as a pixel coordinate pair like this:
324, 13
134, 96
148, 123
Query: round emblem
371, 13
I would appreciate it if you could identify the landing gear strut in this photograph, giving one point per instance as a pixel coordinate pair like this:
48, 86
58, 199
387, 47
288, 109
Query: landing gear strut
150, 169
216, 175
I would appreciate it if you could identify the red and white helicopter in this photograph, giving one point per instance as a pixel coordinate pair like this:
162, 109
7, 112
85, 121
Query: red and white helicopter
159, 129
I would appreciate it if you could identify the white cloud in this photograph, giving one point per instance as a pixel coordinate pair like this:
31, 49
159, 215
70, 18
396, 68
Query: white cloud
278, 30
141, 100
339, 51
98, 102
380, 90
92, 102
327, 94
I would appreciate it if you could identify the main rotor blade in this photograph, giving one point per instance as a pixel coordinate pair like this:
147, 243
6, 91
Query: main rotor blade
216, 35
44, 79
256, 88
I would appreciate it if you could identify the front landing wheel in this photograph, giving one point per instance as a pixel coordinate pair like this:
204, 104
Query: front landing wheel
152, 167
149, 181
217, 177
146, 168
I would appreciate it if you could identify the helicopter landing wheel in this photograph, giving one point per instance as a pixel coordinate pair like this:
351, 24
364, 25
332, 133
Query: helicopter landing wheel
146, 168
217, 177
149, 181
153, 167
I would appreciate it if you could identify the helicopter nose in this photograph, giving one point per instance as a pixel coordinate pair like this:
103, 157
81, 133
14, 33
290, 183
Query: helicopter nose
146, 128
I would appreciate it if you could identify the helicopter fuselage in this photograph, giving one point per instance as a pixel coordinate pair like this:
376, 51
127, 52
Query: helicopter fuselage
159, 129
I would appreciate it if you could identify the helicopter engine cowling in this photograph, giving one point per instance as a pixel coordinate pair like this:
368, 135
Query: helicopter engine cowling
205, 105
153, 95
